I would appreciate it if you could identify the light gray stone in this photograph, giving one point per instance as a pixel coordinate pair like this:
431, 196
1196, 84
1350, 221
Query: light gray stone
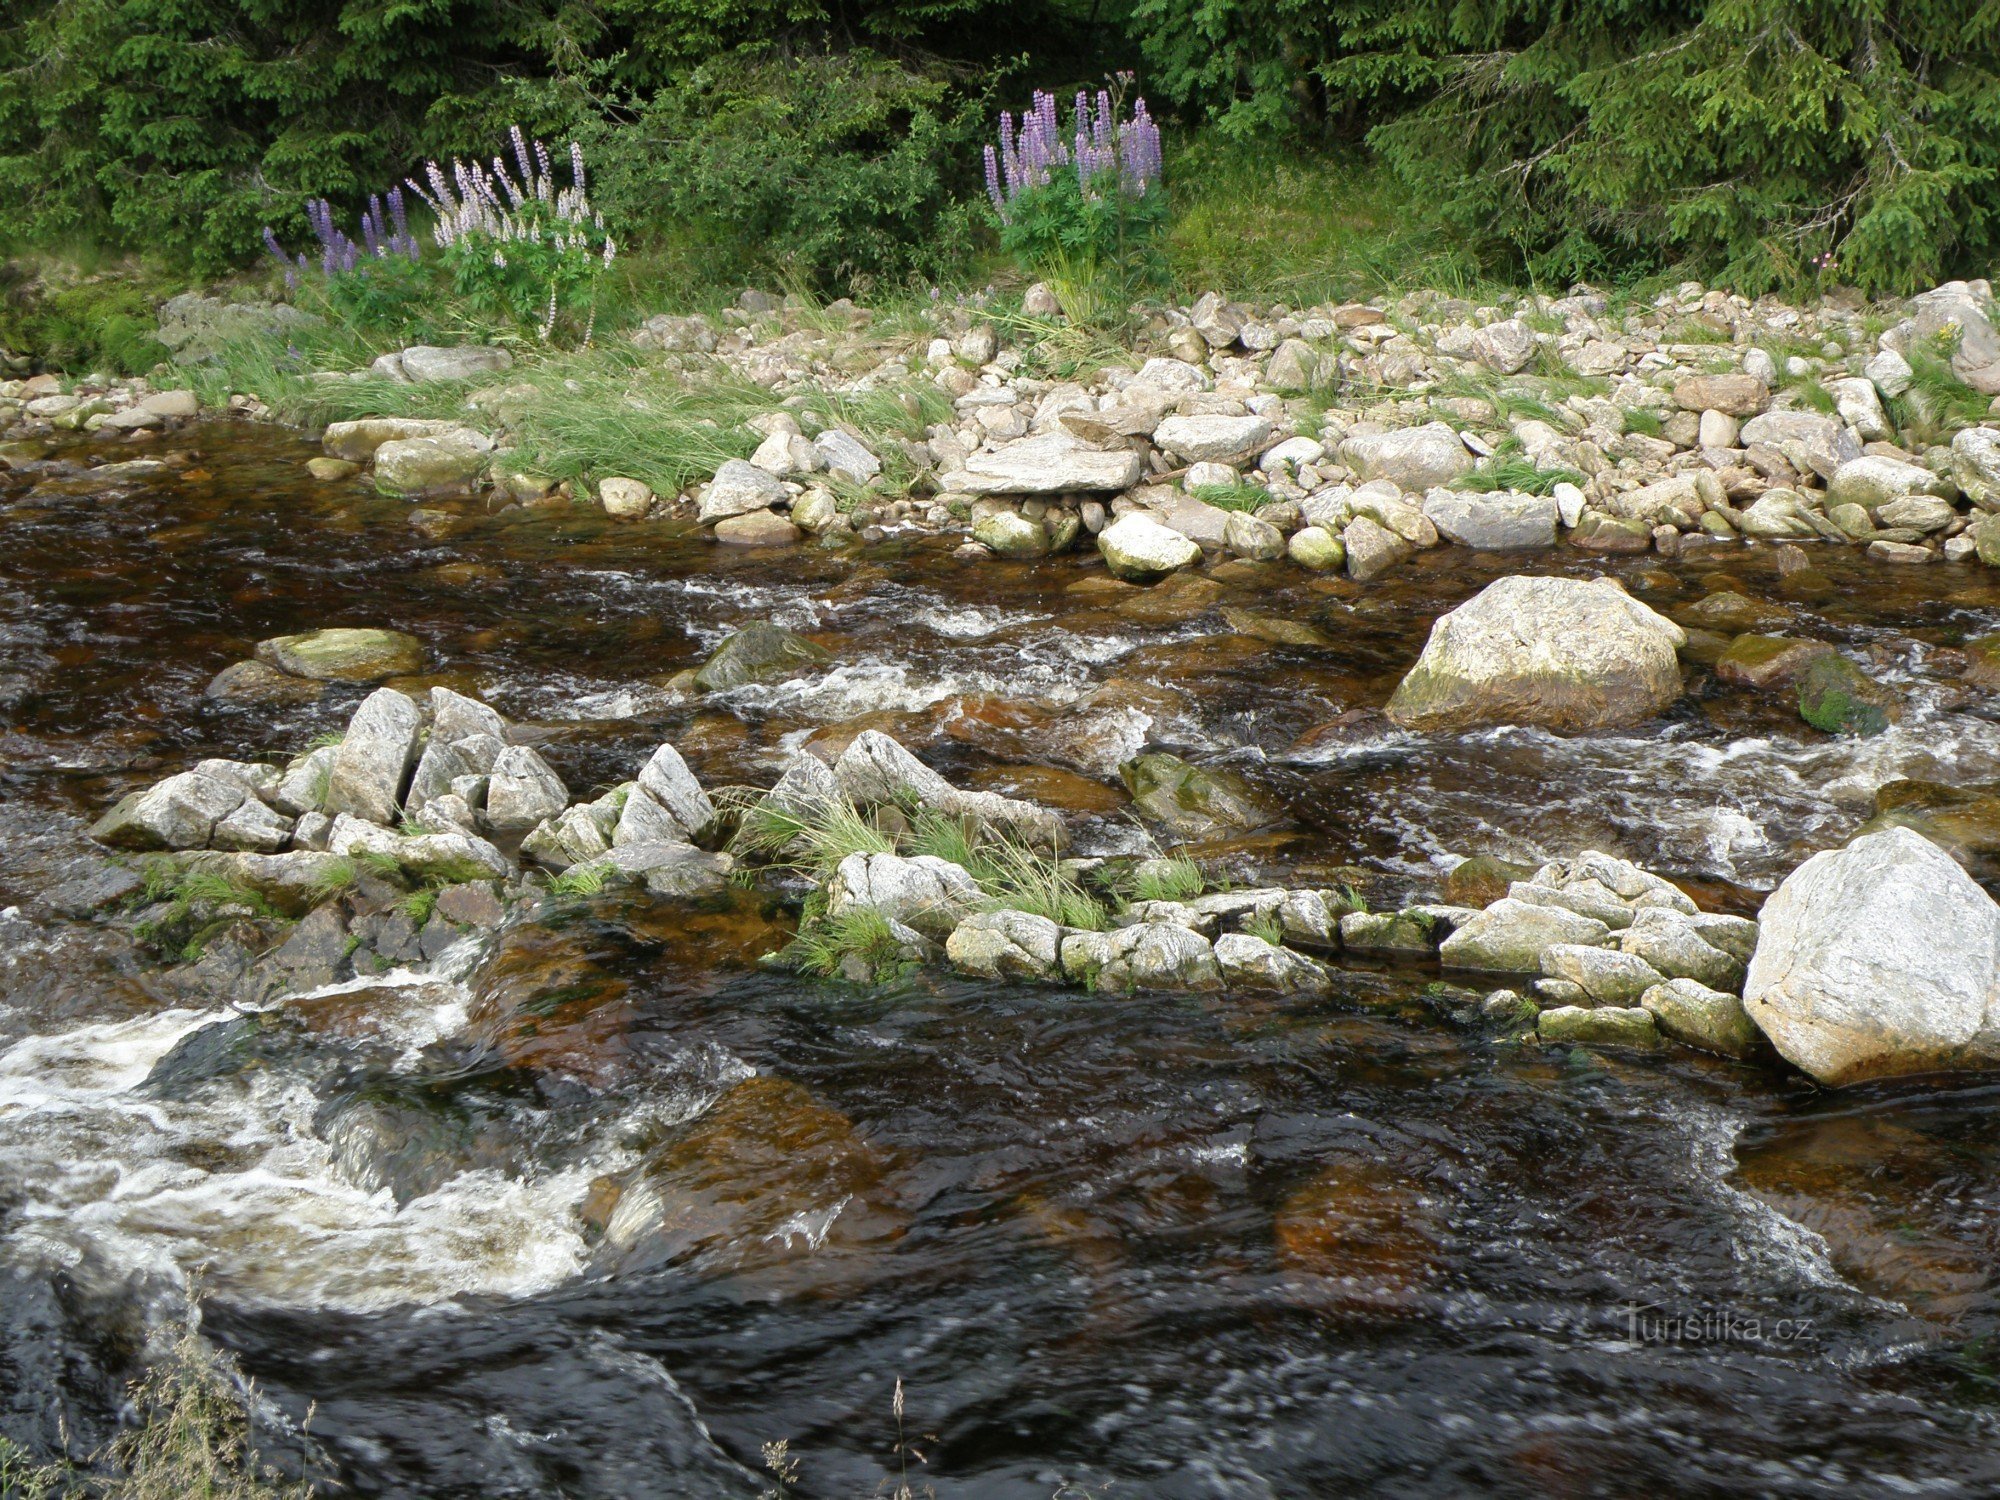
921, 891
1606, 975
1249, 962
522, 791
1565, 653
1212, 439
1006, 945
738, 489
375, 758
180, 812
1052, 463
1511, 936
1496, 522
1697, 1016
1415, 459
1879, 959
1137, 547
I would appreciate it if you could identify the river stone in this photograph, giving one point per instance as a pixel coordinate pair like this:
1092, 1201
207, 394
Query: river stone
1140, 549
1764, 661
1564, 653
1372, 549
1606, 975
1415, 459
252, 828
1778, 515
1837, 697
760, 528
180, 812
1053, 463
1879, 959
522, 791
344, 654
1504, 347
1694, 1014
442, 857
1412, 931
738, 489
1246, 536
1810, 442
1975, 465
921, 891
258, 682
627, 499
1873, 481
1296, 366
1496, 522
374, 760
1585, 901
1147, 955
1957, 311
302, 787
356, 442
762, 652
1318, 549
666, 780
581, 833
1011, 535
1196, 802
454, 716
1732, 395
1511, 936
1212, 439
1674, 943
452, 463
1252, 963
293, 882
1925, 513
1603, 1026
1006, 945
667, 868
427, 362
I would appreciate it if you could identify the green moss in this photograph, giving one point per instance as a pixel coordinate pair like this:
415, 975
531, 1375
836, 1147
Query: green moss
1837, 697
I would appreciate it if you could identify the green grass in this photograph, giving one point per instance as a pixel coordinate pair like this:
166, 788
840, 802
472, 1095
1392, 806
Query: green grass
1170, 878
586, 879
814, 840
824, 946
1268, 927
1512, 472
332, 881
1645, 421
1259, 222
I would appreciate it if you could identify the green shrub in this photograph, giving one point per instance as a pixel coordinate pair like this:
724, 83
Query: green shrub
838, 171
104, 322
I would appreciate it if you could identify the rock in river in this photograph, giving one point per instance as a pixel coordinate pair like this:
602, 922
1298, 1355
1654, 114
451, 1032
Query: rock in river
1878, 959
344, 654
1564, 653
758, 653
1138, 548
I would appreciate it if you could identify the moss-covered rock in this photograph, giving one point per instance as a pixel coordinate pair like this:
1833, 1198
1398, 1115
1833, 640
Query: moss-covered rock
1837, 697
1196, 802
762, 652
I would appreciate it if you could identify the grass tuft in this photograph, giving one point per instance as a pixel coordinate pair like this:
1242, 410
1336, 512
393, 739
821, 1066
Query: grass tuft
1170, 878
1515, 473
1245, 497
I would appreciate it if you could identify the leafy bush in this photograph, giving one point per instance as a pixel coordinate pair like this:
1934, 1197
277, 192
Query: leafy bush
836, 170
102, 322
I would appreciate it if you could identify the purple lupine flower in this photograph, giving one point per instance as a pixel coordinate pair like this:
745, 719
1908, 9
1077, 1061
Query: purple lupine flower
1105, 153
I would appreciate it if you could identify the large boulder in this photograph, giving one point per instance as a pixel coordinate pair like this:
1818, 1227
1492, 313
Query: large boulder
1975, 465
179, 813
375, 758
1053, 463
1138, 548
427, 362
1212, 439
1413, 458
344, 654
1879, 959
1874, 481
1565, 653
450, 463
1006, 945
1964, 313
1146, 955
1496, 522
920, 891
357, 441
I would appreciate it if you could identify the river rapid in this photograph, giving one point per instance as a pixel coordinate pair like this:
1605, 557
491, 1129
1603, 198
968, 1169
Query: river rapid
1178, 1247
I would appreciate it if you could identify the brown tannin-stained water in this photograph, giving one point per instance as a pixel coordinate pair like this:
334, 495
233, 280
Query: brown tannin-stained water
1166, 1246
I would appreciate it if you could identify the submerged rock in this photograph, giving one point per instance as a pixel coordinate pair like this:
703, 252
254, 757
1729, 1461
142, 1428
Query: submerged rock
1697, 1016
1563, 653
1878, 959
344, 654
762, 652
1604, 1026
1196, 802
1837, 697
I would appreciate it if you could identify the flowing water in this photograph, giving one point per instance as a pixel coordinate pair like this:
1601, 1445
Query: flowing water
1160, 1245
